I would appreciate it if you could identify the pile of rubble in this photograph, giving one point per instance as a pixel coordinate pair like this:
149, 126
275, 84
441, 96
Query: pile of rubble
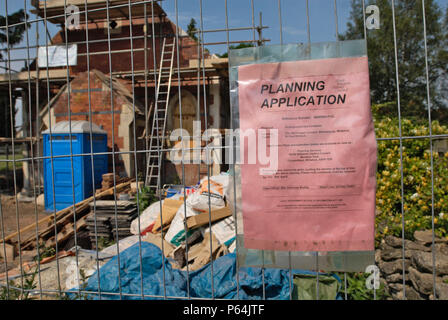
184, 224
178, 225
110, 219
418, 265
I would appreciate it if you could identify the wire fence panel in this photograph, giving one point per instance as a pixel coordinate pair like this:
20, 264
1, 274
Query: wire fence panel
117, 127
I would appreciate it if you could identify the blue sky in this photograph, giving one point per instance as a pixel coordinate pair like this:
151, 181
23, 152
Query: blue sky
293, 15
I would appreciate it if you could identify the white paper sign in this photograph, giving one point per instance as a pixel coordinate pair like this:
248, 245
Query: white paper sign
57, 56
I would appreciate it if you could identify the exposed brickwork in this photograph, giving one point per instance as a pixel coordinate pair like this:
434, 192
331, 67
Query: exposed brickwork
100, 109
121, 61
100, 97
100, 105
100, 100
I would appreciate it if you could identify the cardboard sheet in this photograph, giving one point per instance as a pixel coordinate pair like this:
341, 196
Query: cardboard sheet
169, 209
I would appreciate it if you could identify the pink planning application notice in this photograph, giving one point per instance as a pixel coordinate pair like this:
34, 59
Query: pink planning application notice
321, 197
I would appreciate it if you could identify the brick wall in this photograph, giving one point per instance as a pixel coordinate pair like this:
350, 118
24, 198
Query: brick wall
121, 61
100, 102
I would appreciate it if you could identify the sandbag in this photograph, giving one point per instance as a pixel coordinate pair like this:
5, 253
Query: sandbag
210, 194
147, 217
176, 231
224, 231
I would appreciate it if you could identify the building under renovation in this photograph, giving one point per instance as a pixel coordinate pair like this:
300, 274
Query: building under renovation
121, 68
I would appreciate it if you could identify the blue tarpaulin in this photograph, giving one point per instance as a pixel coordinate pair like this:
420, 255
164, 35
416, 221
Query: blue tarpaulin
155, 274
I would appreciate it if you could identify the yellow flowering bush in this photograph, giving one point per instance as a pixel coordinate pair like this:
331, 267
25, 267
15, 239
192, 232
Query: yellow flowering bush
417, 187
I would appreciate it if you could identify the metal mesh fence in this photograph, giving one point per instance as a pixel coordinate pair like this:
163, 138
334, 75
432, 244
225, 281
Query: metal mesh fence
138, 76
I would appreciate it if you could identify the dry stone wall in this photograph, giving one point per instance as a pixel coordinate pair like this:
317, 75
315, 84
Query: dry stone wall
418, 266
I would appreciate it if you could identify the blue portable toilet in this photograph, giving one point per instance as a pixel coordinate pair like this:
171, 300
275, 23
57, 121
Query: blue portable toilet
82, 164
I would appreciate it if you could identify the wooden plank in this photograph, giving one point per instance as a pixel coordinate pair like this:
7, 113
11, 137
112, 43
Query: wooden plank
68, 210
117, 9
64, 220
20, 140
83, 206
60, 4
23, 76
50, 229
67, 232
61, 254
109, 177
33, 225
203, 218
110, 204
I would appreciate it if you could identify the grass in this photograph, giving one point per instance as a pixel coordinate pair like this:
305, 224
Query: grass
4, 164
15, 293
104, 243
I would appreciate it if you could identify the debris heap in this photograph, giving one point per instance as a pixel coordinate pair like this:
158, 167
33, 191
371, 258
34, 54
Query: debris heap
109, 218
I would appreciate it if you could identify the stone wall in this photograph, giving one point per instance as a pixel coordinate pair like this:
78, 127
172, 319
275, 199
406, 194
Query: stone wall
418, 265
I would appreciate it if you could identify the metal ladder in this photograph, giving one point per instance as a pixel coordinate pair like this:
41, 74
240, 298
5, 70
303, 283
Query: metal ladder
157, 139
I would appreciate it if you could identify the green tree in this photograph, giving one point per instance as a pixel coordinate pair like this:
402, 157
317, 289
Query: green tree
8, 40
16, 31
411, 54
239, 46
191, 29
